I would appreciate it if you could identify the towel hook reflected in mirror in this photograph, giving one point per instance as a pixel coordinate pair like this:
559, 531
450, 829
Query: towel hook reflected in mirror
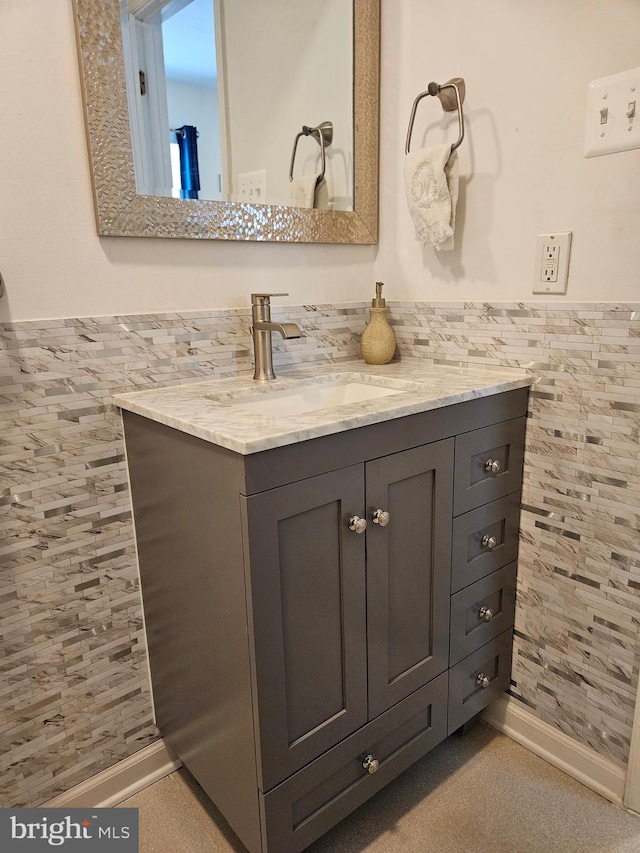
323, 134
451, 95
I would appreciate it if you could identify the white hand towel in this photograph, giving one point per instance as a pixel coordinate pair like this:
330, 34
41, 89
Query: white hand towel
431, 184
322, 195
309, 191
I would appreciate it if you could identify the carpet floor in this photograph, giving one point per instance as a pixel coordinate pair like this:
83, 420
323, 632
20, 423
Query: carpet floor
480, 792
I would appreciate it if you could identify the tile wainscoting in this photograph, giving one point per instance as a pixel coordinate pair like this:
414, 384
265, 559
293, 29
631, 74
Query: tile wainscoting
75, 692
576, 652
75, 688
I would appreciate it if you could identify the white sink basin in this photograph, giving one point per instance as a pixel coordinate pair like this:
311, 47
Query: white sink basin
309, 396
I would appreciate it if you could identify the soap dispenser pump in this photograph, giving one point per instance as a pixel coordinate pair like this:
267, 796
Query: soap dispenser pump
378, 342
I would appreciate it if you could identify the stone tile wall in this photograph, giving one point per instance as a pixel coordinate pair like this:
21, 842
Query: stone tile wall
576, 653
74, 693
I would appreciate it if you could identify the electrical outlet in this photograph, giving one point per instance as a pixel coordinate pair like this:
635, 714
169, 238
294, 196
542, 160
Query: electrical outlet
550, 261
551, 267
252, 186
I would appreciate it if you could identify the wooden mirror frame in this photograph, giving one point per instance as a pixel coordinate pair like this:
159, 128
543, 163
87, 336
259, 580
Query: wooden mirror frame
121, 212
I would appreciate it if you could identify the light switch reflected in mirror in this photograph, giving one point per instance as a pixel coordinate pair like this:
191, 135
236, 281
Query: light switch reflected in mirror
258, 72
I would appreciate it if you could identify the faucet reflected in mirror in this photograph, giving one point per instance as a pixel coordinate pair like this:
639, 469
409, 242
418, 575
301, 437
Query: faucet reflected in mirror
261, 330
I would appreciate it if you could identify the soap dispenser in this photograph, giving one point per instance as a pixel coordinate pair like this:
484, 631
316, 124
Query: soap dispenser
378, 342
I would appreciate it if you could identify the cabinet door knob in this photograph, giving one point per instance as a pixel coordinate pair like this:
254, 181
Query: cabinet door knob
492, 466
485, 613
370, 764
357, 524
381, 517
483, 681
489, 542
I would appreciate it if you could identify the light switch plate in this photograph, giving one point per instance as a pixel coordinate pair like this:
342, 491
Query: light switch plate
612, 121
551, 266
253, 186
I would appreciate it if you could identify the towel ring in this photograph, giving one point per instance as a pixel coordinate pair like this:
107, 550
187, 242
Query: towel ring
450, 101
323, 134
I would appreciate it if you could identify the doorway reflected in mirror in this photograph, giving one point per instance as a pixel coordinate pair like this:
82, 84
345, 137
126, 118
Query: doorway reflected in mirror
191, 81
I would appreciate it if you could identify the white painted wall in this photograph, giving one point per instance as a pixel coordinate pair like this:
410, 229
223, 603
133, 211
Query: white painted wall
526, 64
53, 263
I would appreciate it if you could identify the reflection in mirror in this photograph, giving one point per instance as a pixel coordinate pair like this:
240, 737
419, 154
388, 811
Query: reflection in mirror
172, 89
216, 184
190, 65
218, 91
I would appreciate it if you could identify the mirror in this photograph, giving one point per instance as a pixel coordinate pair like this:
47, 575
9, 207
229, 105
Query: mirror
132, 199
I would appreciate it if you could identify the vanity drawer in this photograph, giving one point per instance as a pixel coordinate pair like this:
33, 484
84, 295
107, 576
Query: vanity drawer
470, 627
484, 540
314, 799
467, 695
488, 464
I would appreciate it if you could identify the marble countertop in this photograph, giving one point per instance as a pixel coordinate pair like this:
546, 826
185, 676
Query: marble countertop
417, 386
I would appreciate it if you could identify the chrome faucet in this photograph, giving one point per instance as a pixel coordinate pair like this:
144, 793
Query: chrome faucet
261, 330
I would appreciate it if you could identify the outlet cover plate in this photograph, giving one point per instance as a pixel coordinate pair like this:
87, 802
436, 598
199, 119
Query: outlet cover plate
551, 264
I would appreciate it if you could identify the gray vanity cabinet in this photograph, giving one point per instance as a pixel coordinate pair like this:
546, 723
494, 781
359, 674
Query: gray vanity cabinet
486, 509
408, 577
306, 577
297, 664
312, 593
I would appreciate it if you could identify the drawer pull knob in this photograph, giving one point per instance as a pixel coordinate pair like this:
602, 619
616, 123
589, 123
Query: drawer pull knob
381, 517
489, 542
370, 764
357, 524
485, 613
483, 681
492, 466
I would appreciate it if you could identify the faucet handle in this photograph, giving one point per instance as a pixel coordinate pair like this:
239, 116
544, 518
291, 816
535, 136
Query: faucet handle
259, 298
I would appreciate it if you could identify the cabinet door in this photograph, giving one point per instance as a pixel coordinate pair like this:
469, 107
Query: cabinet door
408, 571
306, 581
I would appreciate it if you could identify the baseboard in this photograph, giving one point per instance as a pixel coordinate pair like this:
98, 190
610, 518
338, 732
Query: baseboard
581, 762
155, 761
123, 780
632, 791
